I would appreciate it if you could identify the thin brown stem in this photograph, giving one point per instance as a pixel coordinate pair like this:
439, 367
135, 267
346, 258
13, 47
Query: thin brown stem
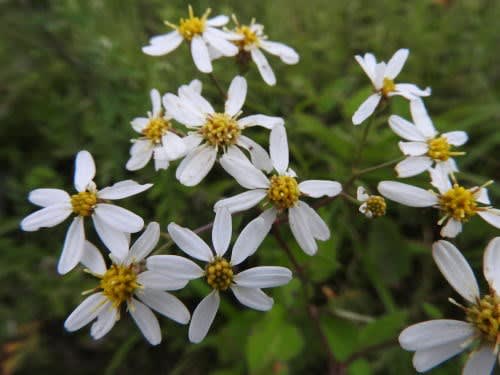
218, 86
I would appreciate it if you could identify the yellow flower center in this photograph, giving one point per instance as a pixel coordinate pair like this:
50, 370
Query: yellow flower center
83, 203
219, 274
249, 37
376, 205
156, 128
220, 130
192, 26
439, 149
485, 316
119, 283
388, 86
283, 192
459, 203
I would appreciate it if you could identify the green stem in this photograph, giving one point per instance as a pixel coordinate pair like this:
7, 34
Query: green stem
218, 86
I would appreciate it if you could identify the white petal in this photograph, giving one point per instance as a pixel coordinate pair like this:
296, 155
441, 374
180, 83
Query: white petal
267, 122
413, 148
279, 149
203, 316
146, 321
424, 360
451, 229
407, 194
361, 194
161, 160
163, 44
491, 264
243, 201
105, 321
411, 91
119, 218
440, 179
199, 51
155, 101
260, 157
174, 146
116, 241
175, 266
405, 129
213, 38
196, 85
85, 312
192, 141
46, 217
263, 66
368, 64
456, 138
249, 240
413, 165
194, 99
421, 119
480, 361
366, 109
166, 304
379, 75
84, 170
160, 281
92, 259
301, 231
143, 246
190, 242
218, 21
221, 230
139, 160
491, 216
181, 112
455, 269
122, 189
432, 333
244, 173
287, 54
317, 226
139, 123
48, 197
396, 63
320, 188
196, 165
481, 196
253, 298
263, 277
73, 246
236, 96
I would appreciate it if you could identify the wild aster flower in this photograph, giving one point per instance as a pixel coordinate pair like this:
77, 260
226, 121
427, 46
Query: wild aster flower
220, 273
253, 40
201, 33
128, 281
215, 132
112, 223
426, 146
372, 205
382, 76
281, 191
457, 203
435, 341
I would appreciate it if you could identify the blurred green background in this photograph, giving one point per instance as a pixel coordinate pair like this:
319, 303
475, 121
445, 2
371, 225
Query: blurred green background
72, 78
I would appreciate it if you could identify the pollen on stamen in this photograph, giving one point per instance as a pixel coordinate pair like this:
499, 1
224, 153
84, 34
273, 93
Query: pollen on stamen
459, 203
83, 203
283, 191
192, 26
156, 129
220, 129
219, 274
485, 317
119, 283
388, 86
376, 205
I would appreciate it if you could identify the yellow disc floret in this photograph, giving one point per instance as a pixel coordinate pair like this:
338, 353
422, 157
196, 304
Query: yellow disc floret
220, 130
119, 283
192, 26
249, 37
219, 274
376, 205
485, 316
439, 148
83, 203
388, 86
156, 129
283, 192
459, 203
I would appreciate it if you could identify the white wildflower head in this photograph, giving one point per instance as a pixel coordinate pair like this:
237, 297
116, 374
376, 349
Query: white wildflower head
219, 271
201, 33
372, 206
382, 76
112, 223
127, 282
435, 341
424, 146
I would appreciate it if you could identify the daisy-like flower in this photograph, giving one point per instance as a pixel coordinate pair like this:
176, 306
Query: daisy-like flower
201, 33
425, 147
220, 273
372, 205
215, 132
281, 191
457, 203
382, 76
253, 40
127, 281
112, 223
435, 341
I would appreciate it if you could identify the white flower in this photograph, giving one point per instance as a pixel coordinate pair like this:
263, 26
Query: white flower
201, 33
127, 281
282, 191
457, 203
382, 76
251, 44
215, 131
372, 205
219, 273
111, 222
425, 146
435, 341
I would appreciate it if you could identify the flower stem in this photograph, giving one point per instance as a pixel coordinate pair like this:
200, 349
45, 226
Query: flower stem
222, 92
